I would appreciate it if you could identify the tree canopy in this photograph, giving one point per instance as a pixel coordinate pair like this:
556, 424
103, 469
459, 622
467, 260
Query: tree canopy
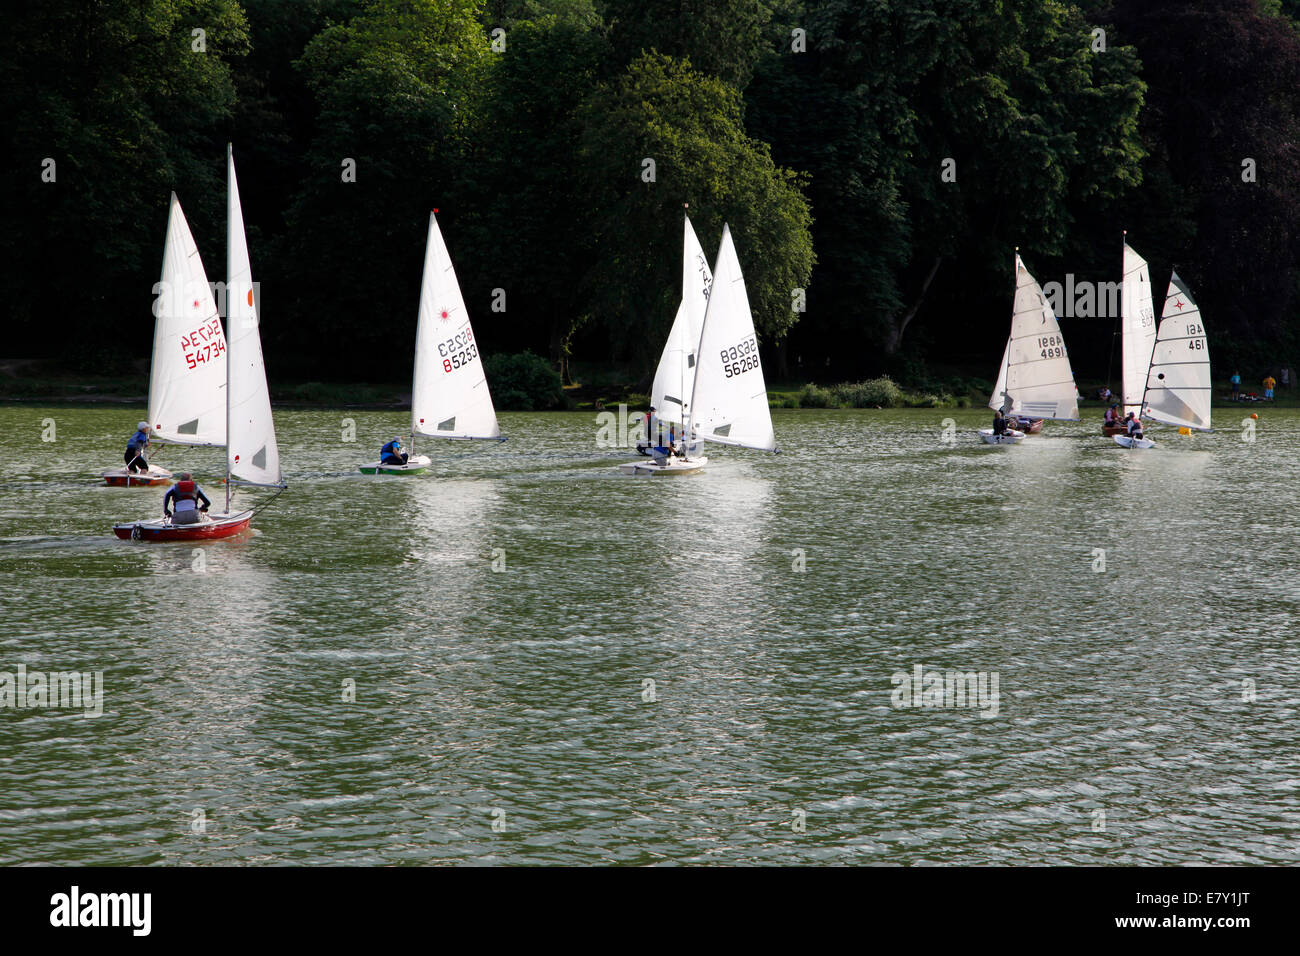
877, 163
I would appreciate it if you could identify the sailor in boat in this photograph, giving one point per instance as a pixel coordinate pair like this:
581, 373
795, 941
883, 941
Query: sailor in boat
187, 500
392, 454
135, 449
1133, 425
1112, 416
1000, 421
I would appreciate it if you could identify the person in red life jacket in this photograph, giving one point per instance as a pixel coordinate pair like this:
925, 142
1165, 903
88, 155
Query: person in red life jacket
1134, 425
190, 502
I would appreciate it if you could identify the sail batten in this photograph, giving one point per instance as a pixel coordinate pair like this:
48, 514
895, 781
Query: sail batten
449, 387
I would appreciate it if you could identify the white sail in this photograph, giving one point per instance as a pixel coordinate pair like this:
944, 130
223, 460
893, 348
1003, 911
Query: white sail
449, 394
187, 384
675, 376
1139, 328
1178, 383
730, 395
252, 455
1036, 380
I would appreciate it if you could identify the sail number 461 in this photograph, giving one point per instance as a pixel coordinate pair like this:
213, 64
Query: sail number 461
1196, 343
739, 359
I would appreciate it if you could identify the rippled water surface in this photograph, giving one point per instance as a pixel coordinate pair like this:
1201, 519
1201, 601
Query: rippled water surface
1146, 714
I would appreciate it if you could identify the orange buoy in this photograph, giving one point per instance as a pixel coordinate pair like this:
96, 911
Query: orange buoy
1254, 415
1184, 430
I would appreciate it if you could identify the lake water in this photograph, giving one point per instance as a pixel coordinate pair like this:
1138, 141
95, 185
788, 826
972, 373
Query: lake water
501, 619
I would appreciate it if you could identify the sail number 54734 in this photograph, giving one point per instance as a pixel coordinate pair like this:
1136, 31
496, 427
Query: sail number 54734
739, 359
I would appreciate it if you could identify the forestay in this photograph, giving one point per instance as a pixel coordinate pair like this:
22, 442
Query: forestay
675, 376
1139, 328
1035, 379
449, 394
730, 394
187, 383
1178, 384
251, 453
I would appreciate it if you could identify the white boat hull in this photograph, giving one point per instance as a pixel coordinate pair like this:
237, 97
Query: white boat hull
1125, 442
1011, 437
669, 466
416, 465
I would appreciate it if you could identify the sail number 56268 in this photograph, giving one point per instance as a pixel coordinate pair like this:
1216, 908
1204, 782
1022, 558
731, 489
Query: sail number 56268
739, 359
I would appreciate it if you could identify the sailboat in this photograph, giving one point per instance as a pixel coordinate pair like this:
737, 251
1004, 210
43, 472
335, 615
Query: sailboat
449, 391
1178, 388
187, 380
728, 402
1035, 380
252, 455
670, 395
1138, 338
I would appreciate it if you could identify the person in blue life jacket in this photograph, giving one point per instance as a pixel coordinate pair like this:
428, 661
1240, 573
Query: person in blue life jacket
136, 448
1133, 425
392, 454
187, 500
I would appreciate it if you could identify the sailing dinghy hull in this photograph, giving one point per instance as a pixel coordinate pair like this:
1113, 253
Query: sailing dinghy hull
1110, 431
1012, 437
415, 466
672, 466
1125, 442
121, 478
161, 529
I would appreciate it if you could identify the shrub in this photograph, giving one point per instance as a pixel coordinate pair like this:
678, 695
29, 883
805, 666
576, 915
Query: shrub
810, 396
523, 382
882, 392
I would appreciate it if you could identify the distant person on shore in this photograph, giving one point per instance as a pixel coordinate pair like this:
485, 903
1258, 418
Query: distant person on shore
189, 503
392, 454
1235, 381
1104, 393
136, 448
1269, 384
1134, 426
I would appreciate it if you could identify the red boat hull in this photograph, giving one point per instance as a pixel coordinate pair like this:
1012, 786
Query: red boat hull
134, 481
208, 531
1111, 431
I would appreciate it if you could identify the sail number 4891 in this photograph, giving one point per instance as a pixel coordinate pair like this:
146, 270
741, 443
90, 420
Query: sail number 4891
458, 351
1051, 346
739, 359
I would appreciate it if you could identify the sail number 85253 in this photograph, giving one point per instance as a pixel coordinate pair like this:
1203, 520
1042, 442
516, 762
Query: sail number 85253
739, 359
458, 351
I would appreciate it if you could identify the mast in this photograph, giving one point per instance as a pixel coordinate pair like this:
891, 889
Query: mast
230, 165
689, 425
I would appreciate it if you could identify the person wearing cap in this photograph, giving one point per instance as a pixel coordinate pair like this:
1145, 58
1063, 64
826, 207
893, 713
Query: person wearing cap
392, 454
187, 500
135, 449
1112, 415
1134, 425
